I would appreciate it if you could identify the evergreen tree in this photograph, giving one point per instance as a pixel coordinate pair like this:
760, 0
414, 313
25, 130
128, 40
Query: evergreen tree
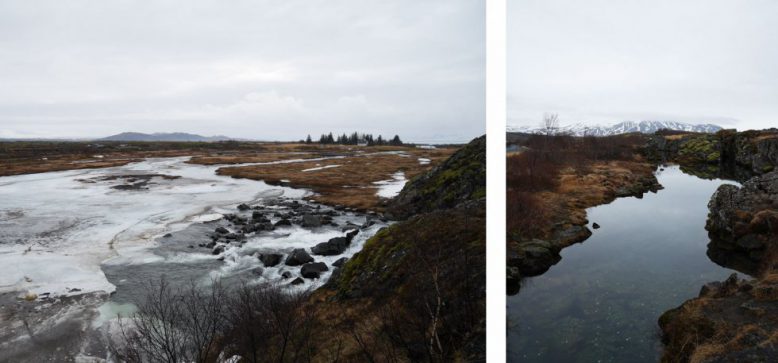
308, 139
396, 141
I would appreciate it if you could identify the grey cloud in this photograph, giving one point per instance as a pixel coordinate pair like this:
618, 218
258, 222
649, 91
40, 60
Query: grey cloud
260, 69
605, 61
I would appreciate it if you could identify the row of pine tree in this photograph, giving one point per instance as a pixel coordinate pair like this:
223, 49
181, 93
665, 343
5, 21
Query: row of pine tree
355, 139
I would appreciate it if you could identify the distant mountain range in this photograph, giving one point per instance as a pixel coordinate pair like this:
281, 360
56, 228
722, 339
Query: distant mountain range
173, 136
646, 127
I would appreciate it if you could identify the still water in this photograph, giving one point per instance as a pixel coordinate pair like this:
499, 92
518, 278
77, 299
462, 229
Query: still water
601, 302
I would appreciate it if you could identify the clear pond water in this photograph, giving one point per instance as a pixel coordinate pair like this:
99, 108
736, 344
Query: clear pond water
601, 302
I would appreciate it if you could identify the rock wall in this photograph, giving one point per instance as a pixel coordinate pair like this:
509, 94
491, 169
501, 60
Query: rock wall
755, 150
461, 178
743, 223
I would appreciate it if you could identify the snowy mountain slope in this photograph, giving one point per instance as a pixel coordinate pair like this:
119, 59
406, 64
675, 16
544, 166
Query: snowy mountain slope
647, 127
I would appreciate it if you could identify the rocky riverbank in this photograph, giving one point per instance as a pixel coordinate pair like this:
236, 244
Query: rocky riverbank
736, 154
735, 320
420, 280
566, 223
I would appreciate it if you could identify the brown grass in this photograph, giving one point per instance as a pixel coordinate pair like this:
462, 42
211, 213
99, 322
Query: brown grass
352, 183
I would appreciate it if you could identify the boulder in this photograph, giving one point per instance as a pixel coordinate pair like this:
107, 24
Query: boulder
222, 230
243, 207
270, 259
283, 222
595, 226
313, 270
217, 250
311, 221
286, 274
340, 262
334, 246
298, 257
743, 221
297, 281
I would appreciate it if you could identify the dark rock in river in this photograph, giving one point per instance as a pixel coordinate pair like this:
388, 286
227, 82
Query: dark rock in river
297, 281
311, 221
286, 274
283, 222
339, 262
222, 230
313, 270
298, 257
334, 246
270, 259
534, 257
243, 207
595, 226
217, 250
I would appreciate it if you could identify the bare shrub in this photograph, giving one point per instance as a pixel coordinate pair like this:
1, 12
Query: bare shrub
173, 325
525, 214
270, 324
262, 323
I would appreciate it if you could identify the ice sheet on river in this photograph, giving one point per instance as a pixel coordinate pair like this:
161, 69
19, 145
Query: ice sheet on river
56, 228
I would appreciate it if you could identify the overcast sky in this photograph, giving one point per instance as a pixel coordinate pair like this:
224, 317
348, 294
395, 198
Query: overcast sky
253, 69
600, 61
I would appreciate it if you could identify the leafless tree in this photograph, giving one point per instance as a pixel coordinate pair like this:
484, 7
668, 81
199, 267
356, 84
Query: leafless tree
550, 124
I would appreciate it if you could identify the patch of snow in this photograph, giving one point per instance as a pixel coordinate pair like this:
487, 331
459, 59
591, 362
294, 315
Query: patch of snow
68, 228
424, 161
320, 168
390, 188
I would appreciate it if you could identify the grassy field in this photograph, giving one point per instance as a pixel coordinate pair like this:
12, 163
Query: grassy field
351, 184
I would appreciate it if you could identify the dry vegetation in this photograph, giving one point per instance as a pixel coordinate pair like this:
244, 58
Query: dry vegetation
350, 184
733, 321
558, 177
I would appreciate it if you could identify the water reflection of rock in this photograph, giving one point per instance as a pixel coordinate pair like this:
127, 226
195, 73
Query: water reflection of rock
728, 255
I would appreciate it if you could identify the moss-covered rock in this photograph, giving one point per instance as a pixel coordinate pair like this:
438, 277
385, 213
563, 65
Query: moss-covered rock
461, 178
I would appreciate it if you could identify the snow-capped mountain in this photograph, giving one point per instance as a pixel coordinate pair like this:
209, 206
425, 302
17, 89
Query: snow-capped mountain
646, 127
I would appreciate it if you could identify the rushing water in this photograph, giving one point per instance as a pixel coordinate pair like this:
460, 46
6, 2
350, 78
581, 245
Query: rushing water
601, 302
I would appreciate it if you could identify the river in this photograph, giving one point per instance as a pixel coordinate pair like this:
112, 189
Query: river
601, 302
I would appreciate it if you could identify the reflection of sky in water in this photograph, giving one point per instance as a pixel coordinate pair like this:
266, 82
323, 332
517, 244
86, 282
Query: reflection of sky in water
600, 303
